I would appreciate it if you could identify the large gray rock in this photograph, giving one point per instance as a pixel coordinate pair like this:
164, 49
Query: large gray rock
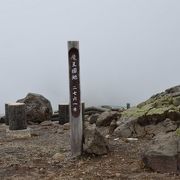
38, 108
93, 118
123, 131
162, 154
125, 127
94, 142
106, 118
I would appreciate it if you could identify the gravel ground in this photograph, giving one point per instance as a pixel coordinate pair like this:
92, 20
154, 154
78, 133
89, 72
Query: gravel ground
34, 158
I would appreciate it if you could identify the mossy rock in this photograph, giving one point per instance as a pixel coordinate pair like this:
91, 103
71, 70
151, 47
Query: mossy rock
159, 111
178, 132
158, 106
154, 111
136, 112
176, 101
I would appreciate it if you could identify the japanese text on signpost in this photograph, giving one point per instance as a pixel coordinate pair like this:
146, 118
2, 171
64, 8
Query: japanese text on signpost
74, 81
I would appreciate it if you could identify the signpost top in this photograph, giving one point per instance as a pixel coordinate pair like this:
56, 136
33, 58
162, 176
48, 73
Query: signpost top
73, 44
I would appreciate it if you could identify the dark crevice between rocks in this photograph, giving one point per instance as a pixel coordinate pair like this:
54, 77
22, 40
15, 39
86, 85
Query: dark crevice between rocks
178, 156
171, 130
157, 118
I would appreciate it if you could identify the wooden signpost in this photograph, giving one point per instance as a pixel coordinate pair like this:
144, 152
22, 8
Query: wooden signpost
75, 108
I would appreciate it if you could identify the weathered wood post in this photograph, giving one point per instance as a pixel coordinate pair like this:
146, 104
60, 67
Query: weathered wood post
128, 105
6, 114
17, 116
75, 109
63, 113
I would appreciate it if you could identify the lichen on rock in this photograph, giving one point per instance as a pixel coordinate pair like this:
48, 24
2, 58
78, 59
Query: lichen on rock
151, 112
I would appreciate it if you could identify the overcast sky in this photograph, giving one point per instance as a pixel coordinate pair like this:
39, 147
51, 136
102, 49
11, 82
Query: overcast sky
129, 49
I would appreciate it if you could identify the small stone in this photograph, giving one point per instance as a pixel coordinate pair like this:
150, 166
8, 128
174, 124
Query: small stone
132, 139
66, 126
118, 175
60, 131
42, 170
107, 136
134, 169
58, 157
47, 123
34, 133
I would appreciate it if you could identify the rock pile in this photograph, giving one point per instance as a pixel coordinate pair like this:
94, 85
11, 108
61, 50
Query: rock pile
105, 121
157, 119
98, 124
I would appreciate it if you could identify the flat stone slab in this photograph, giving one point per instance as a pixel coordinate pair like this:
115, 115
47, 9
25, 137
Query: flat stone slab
25, 133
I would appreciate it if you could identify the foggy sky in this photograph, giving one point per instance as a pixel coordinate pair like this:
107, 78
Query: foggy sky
129, 49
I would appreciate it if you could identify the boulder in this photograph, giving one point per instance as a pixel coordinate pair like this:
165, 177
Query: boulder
152, 116
93, 118
162, 154
94, 142
2, 119
38, 108
106, 118
123, 131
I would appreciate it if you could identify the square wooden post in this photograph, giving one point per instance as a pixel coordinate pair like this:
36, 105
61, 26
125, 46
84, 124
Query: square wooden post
63, 113
75, 108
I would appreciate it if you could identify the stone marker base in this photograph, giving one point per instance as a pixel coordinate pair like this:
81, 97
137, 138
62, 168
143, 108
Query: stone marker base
25, 133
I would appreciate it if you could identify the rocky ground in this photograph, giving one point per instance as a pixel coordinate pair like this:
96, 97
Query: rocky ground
46, 155
142, 142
